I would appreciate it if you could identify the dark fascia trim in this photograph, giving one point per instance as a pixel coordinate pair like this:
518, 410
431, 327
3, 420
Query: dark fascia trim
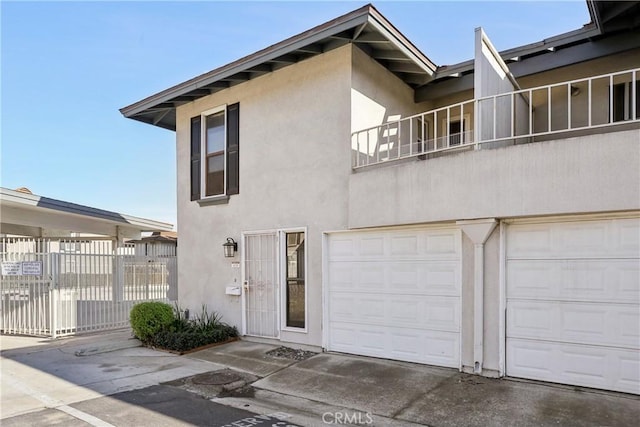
592, 29
405, 45
571, 37
345, 22
540, 63
366, 15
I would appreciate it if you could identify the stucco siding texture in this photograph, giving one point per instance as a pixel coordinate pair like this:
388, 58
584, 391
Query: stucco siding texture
294, 171
594, 173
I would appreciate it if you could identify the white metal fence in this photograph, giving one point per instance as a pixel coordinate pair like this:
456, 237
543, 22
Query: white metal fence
514, 117
58, 287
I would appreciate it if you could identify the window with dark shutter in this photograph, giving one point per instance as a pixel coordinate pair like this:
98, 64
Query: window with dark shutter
233, 149
196, 131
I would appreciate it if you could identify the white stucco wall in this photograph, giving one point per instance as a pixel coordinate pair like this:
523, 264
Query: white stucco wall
295, 166
377, 95
294, 172
592, 173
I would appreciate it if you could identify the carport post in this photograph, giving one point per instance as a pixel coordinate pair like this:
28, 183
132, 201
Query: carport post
478, 231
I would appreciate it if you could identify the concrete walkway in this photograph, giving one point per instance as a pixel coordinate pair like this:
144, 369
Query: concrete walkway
73, 375
40, 373
397, 393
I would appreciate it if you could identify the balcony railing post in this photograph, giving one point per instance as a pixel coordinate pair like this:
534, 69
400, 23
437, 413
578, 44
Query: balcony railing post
634, 94
530, 111
368, 147
448, 127
495, 118
568, 105
410, 137
611, 98
513, 115
478, 124
589, 103
548, 108
441, 140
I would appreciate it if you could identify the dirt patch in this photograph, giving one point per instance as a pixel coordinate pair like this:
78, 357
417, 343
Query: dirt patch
291, 353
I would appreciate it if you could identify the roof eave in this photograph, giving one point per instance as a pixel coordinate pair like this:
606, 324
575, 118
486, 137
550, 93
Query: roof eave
208, 83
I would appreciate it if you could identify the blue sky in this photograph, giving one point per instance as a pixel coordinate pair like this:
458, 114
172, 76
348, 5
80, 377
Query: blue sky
67, 67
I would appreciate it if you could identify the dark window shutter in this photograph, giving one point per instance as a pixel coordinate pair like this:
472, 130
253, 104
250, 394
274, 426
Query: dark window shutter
196, 135
233, 149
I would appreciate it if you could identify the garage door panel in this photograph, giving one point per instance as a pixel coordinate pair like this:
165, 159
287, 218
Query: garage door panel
577, 323
396, 294
421, 278
600, 367
410, 311
578, 280
395, 245
573, 302
591, 239
431, 347
628, 238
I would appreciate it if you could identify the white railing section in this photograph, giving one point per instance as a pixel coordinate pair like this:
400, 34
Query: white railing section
519, 116
56, 287
433, 131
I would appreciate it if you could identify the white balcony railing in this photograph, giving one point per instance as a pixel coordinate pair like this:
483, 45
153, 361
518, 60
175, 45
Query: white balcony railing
520, 116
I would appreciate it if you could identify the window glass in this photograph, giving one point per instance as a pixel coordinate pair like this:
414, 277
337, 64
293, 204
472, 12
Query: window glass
215, 132
295, 280
214, 155
215, 174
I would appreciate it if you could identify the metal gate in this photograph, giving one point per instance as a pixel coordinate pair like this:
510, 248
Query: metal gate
55, 287
261, 285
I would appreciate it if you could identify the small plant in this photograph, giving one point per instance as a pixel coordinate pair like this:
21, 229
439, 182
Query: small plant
178, 333
205, 321
149, 318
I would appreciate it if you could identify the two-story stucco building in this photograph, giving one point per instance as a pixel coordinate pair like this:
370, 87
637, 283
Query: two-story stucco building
483, 216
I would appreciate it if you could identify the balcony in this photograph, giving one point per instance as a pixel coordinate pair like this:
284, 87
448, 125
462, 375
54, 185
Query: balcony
597, 104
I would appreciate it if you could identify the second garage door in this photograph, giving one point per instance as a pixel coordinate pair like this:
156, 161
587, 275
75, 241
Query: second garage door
573, 302
395, 294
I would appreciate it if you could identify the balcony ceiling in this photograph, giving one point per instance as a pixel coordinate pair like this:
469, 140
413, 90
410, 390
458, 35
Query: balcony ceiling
364, 27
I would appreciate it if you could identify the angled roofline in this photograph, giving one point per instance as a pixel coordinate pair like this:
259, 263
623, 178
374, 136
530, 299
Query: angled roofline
587, 31
19, 198
589, 42
201, 85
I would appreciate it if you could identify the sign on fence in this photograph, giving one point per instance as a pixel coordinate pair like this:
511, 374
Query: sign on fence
22, 268
11, 268
32, 268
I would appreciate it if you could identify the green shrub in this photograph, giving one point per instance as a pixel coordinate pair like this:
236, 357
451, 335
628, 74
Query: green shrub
159, 325
188, 339
150, 318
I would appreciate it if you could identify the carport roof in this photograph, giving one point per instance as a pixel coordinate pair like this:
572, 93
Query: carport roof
29, 210
365, 27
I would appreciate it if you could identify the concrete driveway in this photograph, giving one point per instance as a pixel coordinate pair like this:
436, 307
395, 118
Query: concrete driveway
41, 373
86, 380
397, 393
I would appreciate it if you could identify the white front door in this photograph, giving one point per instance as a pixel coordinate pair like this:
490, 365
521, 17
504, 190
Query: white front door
261, 285
573, 303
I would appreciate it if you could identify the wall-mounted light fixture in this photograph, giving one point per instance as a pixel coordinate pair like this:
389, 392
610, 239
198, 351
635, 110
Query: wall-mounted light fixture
575, 91
230, 248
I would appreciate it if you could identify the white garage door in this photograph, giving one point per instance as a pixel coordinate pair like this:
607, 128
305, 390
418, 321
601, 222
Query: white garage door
573, 303
396, 295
